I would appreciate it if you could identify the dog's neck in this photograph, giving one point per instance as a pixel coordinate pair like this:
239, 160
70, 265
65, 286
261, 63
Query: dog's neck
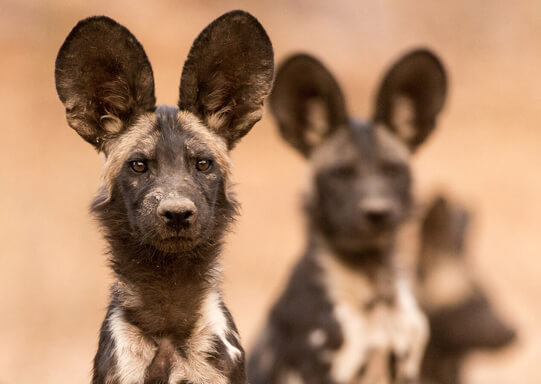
159, 292
361, 280
162, 293
365, 259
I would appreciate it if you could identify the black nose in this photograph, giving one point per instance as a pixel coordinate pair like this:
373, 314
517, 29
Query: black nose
377, 217
177, 212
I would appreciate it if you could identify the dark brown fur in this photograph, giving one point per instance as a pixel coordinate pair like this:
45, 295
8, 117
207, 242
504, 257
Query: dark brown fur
166, 201
360, 195
467, 322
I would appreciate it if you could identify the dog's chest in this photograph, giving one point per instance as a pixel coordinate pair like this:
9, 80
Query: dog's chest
165, 359
375, 314
208, 355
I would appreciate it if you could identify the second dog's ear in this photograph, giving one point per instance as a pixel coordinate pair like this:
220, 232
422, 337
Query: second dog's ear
411, 96
307, 102
228, 74
445, 226
103, 78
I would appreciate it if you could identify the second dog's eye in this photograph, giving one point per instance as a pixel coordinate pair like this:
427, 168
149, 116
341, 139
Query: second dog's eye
138, 166
393, 169
344, 171
203, 165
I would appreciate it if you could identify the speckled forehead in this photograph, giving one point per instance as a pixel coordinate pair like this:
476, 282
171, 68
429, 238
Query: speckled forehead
338, 148
344, 147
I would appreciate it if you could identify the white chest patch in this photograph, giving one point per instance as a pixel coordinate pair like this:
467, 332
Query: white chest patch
195, 368
373, 328
134, 352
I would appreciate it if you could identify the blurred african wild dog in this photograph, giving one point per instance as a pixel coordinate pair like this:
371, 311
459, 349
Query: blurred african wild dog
347, 314
166, 201
459, 312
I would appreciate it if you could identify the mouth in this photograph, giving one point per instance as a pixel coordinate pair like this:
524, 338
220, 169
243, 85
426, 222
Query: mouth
176, 238
377, 232
176, 243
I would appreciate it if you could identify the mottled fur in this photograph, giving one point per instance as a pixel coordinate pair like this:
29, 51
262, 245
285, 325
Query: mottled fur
166, 202
461, 316
348, 315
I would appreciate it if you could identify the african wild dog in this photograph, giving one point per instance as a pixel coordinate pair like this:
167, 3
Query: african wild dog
460, 315
166, 201
347, 315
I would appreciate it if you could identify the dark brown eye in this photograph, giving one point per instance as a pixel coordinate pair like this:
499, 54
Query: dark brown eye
138, 166
393, 169
342, 171
203, 165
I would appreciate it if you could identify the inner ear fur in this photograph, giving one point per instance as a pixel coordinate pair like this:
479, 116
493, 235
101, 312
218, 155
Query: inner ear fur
411, 95
307, 102
103, 78
228, 74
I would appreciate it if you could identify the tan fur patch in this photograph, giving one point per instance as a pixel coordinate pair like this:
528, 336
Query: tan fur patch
116, 151
318, 122
403, 117
112, 124
317, 337
333, 151
446, 284
215, 143
216, 121
390, 147
370, 335
291, 377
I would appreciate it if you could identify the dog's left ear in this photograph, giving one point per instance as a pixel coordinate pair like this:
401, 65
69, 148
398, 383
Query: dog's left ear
228, 74
411, 96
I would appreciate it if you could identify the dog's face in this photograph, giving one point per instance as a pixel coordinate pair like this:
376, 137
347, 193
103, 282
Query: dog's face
461, 316
361, 175
166, 178
172, 180
361, 189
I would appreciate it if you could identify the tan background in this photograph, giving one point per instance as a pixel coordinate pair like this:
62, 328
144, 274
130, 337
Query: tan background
53, 276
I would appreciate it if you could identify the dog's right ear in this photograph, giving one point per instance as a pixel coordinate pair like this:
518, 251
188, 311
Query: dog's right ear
411, 96
227, 75
307, 102
104, 79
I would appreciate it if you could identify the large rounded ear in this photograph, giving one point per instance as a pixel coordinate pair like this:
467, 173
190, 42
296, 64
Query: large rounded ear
307, 102
103, 78
228, 74
411, 96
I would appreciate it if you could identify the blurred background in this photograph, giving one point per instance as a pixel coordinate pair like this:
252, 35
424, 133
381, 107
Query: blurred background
486, 151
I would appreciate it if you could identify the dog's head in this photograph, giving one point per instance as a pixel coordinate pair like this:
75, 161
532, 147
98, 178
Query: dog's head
166, 178
361, 174
460, 313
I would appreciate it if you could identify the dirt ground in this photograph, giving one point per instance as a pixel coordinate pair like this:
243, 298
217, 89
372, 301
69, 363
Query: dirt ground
487, 152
